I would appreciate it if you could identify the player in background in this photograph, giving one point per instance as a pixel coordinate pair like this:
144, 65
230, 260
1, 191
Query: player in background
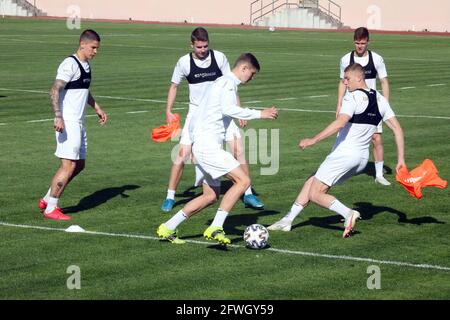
374, 67
69, 96
361, 112
207, 130
200, 68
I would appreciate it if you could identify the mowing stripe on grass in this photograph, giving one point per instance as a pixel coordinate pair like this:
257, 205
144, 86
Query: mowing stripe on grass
290, 252
249, 102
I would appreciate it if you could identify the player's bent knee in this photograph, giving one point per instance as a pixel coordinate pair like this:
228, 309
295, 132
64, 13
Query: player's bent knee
376, 138
245, 182
69, 165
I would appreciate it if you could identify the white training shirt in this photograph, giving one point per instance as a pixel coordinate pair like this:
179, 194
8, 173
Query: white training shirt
364, 61
356, 137
217, 110
183, 68
73, 101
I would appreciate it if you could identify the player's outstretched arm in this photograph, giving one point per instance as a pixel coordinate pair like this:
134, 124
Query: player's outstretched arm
330, 130
269, 113
394, 125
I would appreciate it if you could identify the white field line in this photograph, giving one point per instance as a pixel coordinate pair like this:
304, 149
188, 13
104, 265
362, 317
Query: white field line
106, 97
142, 111
41, 120
2, 124
131, 99
436, 85
285, 99
252, 102
185, 103
302, 110
407, 88
288, 252
419, 116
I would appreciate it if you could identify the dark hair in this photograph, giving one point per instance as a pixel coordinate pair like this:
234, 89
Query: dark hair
356, 67
89, 35
249, 59
361, 33
199, 34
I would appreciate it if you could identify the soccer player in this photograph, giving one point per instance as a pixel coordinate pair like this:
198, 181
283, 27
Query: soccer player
361, 112
207, 129
69, 96
374, 67
200, 68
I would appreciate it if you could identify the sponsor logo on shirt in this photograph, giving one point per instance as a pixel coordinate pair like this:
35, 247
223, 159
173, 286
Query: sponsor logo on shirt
204, 74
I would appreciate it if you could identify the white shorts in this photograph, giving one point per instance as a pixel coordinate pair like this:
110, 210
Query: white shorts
338, 167
379, 127
232, 131
213, 159
72, 142
210, 181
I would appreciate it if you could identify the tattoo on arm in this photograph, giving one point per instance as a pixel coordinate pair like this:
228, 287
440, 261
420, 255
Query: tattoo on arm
54, 96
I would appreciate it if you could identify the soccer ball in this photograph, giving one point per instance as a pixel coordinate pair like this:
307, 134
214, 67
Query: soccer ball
256, 236
271, 29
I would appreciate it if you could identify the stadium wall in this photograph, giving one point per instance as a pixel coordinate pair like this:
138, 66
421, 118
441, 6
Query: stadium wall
400, 15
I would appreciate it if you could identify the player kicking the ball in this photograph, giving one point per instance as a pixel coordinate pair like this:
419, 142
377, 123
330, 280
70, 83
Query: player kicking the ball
207, 130
361, 112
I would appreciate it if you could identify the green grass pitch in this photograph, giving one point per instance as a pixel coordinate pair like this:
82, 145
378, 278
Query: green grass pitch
118, 196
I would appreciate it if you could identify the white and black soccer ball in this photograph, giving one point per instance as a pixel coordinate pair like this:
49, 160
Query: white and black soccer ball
256, 236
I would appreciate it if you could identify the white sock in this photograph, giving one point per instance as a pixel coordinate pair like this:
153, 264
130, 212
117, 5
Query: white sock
294, 212
339, 208
170, 194
52, 203
379, 168
248, 191
47, 195
199, 176
219, 219
176, 220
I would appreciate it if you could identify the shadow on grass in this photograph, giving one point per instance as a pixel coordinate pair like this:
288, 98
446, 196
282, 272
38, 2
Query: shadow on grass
370, 170
323, 222
100, 197
236, 223
368, 211
193, 192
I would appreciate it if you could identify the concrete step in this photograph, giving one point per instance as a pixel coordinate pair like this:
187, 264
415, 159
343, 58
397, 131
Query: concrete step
299, 18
